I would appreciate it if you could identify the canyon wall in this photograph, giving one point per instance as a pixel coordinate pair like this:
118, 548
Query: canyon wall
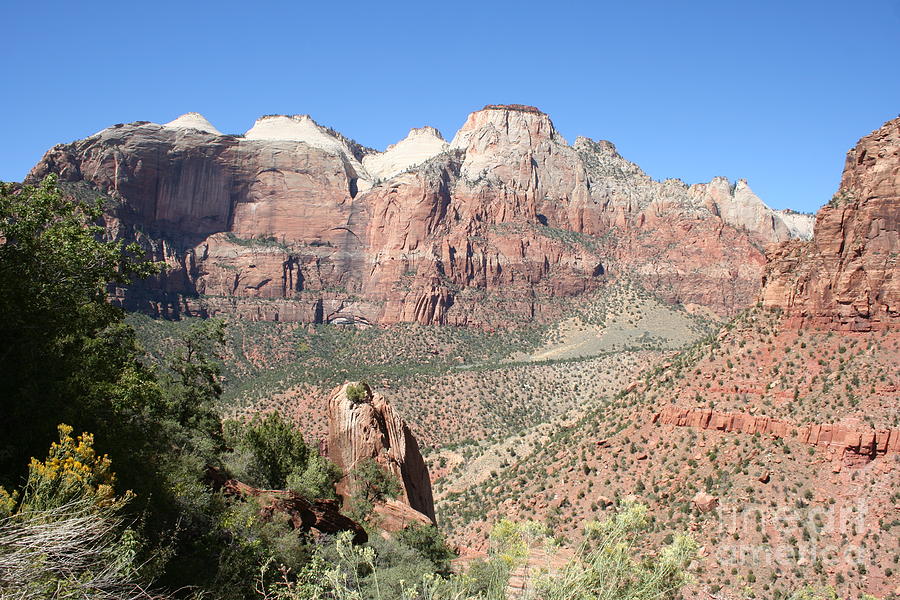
847, 275
294, 221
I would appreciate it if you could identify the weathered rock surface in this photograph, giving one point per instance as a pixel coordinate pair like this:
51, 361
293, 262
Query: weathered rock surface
705, 502
371, 429
294, 221
851, 437
318, 515
847, 276
393, 515
419, 146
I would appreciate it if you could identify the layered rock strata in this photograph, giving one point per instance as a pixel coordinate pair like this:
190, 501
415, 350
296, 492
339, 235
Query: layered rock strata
847, 275
851, 437
367, 427
294, 221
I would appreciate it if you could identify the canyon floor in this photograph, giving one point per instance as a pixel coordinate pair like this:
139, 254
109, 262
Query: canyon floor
560, 422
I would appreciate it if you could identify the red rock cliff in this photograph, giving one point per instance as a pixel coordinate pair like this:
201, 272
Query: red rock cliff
847, 276
286, 222
851, 437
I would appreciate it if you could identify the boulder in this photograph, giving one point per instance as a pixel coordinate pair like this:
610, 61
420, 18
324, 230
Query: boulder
705, 502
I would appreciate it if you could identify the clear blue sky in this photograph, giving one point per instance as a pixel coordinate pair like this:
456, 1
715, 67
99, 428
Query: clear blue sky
774, 92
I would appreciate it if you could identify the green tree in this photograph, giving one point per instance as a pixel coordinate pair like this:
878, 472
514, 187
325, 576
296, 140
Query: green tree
66, 356
271, 448
371, 483
375, 483
430, 544
192, 382
269, 452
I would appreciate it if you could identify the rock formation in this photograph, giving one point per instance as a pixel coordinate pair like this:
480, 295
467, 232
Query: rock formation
705, 502
367, 427
851, 437
316, 516
847, 276
294, 221
420, 146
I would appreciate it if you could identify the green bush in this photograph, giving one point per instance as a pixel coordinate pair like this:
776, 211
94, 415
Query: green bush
613, 563
269, 452
357, 392
430, 544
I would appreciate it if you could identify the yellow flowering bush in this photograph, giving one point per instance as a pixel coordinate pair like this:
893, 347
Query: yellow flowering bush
72, 470
7, 502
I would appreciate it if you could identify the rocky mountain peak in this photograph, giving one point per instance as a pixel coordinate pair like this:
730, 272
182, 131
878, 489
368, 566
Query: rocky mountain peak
420, 145
425, 131
739, 206
193, 120
296, 128
514, 107
518, 147
512, 125
597, 146
302, 128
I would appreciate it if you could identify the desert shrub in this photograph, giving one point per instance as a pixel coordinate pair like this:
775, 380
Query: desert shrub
71, 472
610, 565
71, 551
317, 479
430, 544
357, 392
67, 538
385, 569
269, 452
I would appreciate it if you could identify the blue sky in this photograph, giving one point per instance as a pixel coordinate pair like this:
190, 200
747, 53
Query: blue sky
774, 92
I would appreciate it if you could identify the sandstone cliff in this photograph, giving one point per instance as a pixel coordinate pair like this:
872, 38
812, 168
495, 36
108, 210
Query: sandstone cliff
851, 437
369, 428
294, 221
847, 275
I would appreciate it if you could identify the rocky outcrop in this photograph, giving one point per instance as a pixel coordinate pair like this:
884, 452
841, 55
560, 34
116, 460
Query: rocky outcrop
851, 437
294, 221
705, 502
364, 426
316, 516
846, 277
393, 515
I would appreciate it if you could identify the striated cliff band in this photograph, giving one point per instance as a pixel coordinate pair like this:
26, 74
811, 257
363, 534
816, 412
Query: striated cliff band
293, 221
